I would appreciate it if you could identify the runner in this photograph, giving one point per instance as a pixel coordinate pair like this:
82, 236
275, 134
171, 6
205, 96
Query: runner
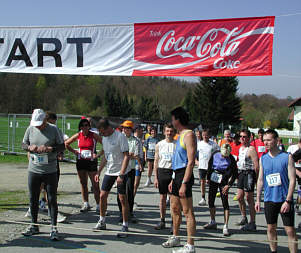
222, 172
86, 161
227, 138
278, 178
163, 169
205, 149
134, 156
138, 133
247, 171
292, 149
149, 145
115, 159
181, 185
43, 141
259, 144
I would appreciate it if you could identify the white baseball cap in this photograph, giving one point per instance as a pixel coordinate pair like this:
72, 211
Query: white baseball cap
37, 117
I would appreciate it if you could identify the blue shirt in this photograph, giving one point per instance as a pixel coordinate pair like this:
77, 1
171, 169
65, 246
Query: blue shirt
150, 145
276, 166
220, 163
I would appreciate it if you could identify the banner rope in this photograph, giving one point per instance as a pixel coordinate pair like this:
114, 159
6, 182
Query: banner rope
110, 231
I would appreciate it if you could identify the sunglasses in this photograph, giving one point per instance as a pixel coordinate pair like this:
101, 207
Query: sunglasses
243, 136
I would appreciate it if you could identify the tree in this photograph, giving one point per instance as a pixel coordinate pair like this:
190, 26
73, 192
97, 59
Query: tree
215, 101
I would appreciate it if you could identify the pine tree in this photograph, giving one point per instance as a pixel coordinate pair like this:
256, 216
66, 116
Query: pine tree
215, 101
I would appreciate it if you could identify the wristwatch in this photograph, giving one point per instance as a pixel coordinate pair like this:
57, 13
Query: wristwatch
289, 201
184, 182
121, 176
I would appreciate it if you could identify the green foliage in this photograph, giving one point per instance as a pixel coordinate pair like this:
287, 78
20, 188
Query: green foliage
215, 101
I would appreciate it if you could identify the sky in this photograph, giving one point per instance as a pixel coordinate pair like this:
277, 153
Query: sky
286, 78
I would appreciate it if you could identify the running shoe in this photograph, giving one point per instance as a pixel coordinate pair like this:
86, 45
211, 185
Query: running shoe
123, 233
235, 198
242, 222
160, 225
148, 183
250, 227
54, 235
172, 241
85, 208
60, 218
211, 225
202, 202
28, 213
185, 249
43, 207
226, 231
31, 230
218, 194
100, 225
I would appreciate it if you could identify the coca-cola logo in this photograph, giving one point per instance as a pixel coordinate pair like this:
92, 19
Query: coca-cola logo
205, 46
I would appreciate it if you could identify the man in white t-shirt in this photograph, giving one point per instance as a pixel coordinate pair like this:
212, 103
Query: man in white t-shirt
205, 149
115, 159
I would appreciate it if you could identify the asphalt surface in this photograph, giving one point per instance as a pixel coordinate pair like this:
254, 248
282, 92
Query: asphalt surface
77, 234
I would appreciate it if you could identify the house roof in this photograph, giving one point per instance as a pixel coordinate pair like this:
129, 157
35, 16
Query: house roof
296, 102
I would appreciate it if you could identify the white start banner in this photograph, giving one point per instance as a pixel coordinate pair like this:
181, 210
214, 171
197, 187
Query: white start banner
224, 47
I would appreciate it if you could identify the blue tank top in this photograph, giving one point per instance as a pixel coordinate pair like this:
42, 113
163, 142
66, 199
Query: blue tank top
275, 177
180, 159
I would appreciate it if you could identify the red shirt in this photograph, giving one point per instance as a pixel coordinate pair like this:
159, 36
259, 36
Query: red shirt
235, 150
259, 146
86, 143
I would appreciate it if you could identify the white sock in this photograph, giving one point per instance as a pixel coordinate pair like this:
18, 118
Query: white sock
189, 246
226, 226
102, 218
125, 223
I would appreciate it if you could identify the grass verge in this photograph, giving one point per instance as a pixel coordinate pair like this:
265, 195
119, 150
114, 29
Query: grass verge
13, 200
13, 158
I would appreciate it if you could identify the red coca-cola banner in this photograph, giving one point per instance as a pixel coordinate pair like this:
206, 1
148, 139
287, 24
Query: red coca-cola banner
224, 47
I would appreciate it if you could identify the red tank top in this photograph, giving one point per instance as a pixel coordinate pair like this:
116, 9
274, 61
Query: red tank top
86, 144
235, 150
260, 147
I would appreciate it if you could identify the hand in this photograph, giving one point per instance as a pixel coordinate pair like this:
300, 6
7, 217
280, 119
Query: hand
60, 156
257, 206
225, 189
33, 148
156, 183
94, 156
119, 180
42, 149
96, 178
182, 191
170, 187
285, 208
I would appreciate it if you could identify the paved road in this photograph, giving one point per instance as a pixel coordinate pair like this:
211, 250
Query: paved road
78, 235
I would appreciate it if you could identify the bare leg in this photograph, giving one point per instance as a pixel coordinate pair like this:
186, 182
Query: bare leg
241, 202
95, 186
190, 218
272, 235
103, 203
292, 239
175, 206
83, 179
163, 205
125, 207
250, 200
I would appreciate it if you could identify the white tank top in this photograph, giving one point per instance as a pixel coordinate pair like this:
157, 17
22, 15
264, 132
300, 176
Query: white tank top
244, 162
166, 150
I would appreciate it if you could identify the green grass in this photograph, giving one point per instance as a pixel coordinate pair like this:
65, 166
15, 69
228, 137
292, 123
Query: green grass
13, 159
13, 200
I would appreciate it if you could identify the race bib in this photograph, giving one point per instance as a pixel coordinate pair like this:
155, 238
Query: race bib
261, 149
40, 159
167, 157
109, 157
86, 154
217, 178
273, 179
203, 156
151, 146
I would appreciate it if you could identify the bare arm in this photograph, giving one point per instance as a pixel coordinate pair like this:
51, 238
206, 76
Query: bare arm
69, 141
156, 162
259, 182
253, 155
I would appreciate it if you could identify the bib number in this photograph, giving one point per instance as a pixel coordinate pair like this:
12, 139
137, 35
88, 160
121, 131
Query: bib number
86, 154
273, 179
151, 146
167, 157
216, 178
40, 159
261, 149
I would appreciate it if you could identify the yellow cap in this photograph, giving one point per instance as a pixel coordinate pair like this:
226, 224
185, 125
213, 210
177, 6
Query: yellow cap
128, 123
